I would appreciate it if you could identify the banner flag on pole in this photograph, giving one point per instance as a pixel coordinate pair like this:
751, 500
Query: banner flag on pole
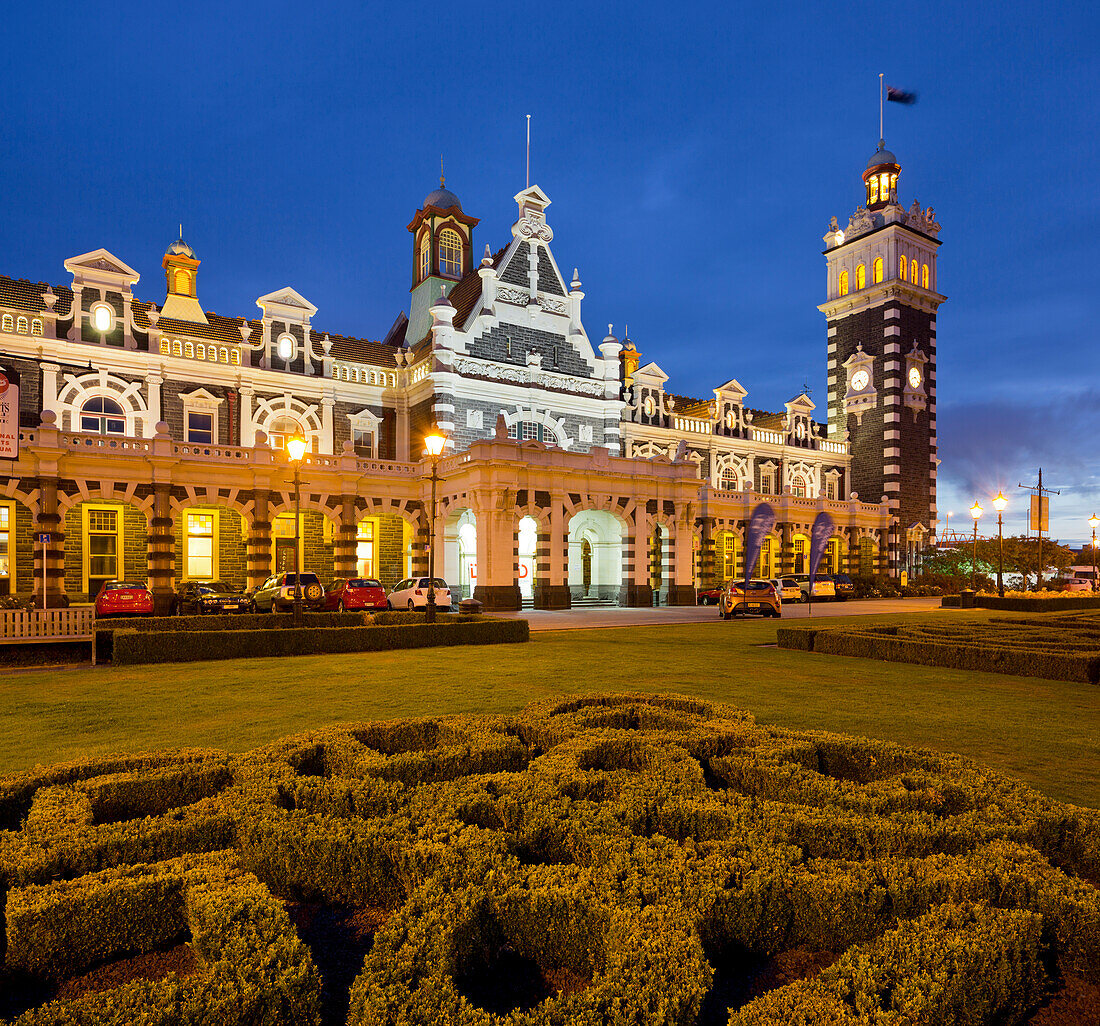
895, 95
822, 531
760, 526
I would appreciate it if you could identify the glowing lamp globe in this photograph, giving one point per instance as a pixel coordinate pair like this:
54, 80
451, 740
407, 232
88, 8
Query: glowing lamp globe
976, 511
434, 444
296, 447
1000, 502
1094, 521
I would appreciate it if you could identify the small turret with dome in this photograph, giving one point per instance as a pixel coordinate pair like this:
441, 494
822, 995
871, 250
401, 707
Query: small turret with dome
180, 275
881, 177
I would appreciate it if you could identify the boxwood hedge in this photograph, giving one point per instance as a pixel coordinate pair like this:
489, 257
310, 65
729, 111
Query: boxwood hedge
592, 859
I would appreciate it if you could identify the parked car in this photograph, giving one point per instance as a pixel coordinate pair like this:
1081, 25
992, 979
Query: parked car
198, 597
708, 596
356, 593
757, 596
412, 593
788, 589
123, 598
823, 587
843, 586
276, 594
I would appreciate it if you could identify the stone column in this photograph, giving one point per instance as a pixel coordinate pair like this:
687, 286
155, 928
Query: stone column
552, 555
327, 444
50, 522
160, 554
681, 588
259, 539
496, 569
343, 555
636, 590
153, 381
248, 430
708, 572
786, 550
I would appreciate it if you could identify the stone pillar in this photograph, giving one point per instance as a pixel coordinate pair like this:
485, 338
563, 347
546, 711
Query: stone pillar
153, 381
681, 588
420, 546
552, 556
50, 522
248, 430
496, 559
786, 550
343, 555
708, 571
49, 386
636, 590
259, 539
160, 554
327, 445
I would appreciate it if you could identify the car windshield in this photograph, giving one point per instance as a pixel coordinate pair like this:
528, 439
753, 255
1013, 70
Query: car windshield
215, 587
363, 582
306, 579
437, 582
124, 586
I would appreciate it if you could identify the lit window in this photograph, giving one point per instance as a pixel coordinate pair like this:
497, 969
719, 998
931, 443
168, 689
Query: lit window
903, 269
363, 440
183, 283
729, 480
189, 349
924, 276
200, 351
200, 546
102, 416
450, 252
200, 427
729, 551
798, 486
876, 270
5, 536
234, 356
103, 317
165, 347
177, 347
872, 196
844, 283
8, 323
282, 429
425, 256
830, 488
763, 564
364, 549
861, 276
223, 355
285, 347
884, 187
22, 326
767, 482
893, 182
799, 555
102, 544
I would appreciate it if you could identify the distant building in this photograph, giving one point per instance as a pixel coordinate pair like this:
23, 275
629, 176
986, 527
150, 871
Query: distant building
152, 440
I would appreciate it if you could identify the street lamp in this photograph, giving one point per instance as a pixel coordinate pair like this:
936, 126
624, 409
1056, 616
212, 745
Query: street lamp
296, 449
1000, 502
1093, 521
434, 445
975, 511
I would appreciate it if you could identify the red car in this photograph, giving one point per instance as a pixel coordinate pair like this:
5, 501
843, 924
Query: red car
355, 593
119, 598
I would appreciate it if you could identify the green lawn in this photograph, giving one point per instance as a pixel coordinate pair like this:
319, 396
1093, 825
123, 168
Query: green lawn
1045, 732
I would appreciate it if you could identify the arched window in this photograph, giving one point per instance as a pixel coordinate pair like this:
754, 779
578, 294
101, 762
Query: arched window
22, 326
872, 195
903, 269
728, 480
36, 327
102, 416
844, 283
450, 252
8, 322
884, 187
283, 428
924, 276
876, 270
425, 256
798, 486
861, 276
183, 283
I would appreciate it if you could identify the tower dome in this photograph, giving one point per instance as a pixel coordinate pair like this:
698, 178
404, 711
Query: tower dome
881, 177
442, 199
180, 248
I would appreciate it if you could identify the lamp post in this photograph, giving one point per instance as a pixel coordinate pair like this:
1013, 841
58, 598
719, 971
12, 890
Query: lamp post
433, 445
1000, 502
296, 449
975, 511
1093, 521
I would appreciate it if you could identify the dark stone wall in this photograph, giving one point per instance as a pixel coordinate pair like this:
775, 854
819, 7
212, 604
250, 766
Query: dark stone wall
510, 343
30, 388
389, 550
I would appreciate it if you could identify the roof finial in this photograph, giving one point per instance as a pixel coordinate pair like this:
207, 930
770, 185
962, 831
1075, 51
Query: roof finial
528, 185
181, 229
442, 180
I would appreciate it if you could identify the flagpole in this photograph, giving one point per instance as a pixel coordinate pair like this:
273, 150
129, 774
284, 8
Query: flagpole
528, 185
880, 134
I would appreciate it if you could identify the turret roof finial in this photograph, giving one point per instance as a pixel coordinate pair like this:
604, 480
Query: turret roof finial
442, 180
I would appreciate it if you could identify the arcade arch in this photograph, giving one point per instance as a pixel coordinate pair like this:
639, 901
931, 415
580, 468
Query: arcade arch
595, 556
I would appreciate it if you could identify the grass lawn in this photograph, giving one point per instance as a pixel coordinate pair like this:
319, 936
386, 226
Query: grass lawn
1045, 732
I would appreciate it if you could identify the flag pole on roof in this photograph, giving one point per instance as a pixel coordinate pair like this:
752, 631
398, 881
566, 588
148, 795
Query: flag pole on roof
880, 135
528, 185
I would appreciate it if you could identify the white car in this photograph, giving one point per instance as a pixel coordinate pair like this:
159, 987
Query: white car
412, 593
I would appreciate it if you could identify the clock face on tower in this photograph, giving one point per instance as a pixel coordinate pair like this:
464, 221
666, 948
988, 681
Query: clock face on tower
914, 377
860, 380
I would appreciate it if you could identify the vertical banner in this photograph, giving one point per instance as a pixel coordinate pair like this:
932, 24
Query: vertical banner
1040, 514
9, 415
822, 531
760, 526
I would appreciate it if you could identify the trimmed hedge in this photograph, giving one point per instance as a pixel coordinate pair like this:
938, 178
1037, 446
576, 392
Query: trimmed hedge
1055, 603
131, 646
609, 849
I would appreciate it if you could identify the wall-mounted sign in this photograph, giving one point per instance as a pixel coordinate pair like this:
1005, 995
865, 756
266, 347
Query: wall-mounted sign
9, 415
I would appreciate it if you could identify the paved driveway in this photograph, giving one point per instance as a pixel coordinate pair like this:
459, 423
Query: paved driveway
580, 619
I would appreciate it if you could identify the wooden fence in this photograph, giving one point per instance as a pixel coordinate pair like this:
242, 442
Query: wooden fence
20, 627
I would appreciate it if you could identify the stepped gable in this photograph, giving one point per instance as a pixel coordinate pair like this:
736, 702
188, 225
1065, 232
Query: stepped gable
22, 294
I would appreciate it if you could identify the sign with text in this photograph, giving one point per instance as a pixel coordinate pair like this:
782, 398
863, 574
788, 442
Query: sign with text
1040, 515
9, 415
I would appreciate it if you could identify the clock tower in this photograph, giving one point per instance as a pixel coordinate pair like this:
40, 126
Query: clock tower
881, 314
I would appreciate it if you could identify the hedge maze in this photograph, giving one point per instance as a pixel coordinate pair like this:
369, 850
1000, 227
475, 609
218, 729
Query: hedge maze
1058, 647
600, 859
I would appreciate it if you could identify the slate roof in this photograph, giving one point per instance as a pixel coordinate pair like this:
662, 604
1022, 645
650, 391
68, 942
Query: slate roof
690, 407
21, 294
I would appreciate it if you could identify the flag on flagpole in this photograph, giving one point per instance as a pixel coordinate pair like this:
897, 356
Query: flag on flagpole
895, 95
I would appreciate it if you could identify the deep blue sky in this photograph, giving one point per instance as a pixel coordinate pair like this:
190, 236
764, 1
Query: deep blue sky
694, 154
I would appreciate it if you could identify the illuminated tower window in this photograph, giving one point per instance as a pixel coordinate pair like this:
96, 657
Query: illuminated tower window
884, 187
924, 276
844, 283
425, 257
450, 252
876, 270
872, 196
861, 276
183, 283
903, 269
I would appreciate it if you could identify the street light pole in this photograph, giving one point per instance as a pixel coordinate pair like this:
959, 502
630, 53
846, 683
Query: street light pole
296, 448
1093, 521
434, 444
976, 512
1000, 502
